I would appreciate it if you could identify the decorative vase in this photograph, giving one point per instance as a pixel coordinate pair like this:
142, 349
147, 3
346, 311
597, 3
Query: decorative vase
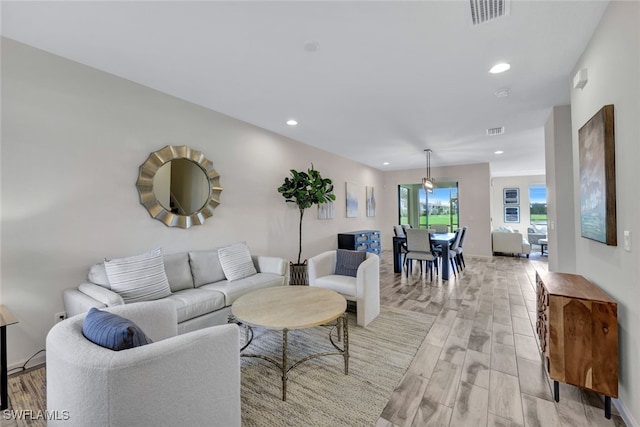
298, 274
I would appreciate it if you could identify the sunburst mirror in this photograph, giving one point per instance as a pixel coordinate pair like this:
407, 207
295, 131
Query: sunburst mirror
179, 186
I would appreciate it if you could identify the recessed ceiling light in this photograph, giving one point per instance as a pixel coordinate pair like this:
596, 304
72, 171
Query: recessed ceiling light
311, 46
385, 163
500, 68
292, 122
498, 152
502, 93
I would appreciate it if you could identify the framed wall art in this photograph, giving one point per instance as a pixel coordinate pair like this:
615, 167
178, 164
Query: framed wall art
352, 200
511, 196
596, 153
371, 201
512, 214
325, 210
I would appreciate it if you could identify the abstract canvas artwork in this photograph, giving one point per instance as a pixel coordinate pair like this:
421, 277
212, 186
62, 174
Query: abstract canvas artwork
596, 152
352, 200
371, 201
325, 210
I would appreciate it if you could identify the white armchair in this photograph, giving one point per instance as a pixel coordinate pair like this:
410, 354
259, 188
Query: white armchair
189, 379
510, 243
364, 289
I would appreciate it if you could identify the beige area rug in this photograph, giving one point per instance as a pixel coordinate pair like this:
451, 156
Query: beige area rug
27, 396
318, 392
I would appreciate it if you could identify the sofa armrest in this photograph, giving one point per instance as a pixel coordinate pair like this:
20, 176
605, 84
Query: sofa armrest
75, 302
368, 277
89, 295
102, 294
270, 264
321, 265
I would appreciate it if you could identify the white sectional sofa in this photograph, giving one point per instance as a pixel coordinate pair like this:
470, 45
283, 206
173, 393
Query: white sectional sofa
509, 241
200, 291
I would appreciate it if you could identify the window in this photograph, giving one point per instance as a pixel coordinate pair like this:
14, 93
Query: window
538, 204
422, 210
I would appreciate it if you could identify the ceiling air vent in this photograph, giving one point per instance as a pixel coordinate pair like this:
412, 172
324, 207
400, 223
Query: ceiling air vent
482, 11
495, 131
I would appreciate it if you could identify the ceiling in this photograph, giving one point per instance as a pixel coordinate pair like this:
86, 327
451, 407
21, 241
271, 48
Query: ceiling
371, 81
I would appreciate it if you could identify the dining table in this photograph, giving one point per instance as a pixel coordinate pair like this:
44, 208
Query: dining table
443, 240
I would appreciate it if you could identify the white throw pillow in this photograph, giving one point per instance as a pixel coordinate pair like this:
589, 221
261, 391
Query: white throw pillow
236, 261
139, 277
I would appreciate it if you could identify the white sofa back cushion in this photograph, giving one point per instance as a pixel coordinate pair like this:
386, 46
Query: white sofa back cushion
178, 271
205, 267
139, 277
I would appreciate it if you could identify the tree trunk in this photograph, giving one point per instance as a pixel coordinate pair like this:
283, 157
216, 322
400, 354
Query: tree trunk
300, 236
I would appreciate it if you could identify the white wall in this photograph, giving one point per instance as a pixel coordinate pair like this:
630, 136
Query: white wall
612, 58
72, 140
498, 184
559, 173
473, 196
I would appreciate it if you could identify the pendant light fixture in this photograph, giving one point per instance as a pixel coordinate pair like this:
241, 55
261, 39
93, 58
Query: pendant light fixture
428, 182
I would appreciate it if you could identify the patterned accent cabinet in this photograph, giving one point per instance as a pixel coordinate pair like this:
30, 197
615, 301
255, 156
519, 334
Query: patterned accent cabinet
577, 326
362, 240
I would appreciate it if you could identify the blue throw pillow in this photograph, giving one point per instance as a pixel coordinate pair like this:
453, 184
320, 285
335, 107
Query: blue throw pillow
347, 262
112, 331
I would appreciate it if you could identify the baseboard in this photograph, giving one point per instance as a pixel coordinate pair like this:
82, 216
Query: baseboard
624, 413
37, 360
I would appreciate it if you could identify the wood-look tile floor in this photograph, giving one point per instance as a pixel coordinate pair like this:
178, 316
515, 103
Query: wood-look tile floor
480, 364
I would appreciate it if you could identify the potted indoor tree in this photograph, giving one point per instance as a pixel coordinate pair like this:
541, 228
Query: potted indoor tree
305, 189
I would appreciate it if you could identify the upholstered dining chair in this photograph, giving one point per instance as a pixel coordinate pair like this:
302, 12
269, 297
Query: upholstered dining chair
419, 248
459, 249
440, 228
453, 252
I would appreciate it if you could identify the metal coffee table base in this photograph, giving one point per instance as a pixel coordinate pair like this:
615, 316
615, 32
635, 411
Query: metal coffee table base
342, 327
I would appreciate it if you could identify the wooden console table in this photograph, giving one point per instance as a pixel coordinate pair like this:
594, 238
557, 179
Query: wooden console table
578, 330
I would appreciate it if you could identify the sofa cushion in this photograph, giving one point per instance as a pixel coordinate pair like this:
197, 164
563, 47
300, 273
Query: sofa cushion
112, 331
347, 262
178, 271
194, 302
139, 277
345, 285
234, 290
236, 261
98, 275
205, 267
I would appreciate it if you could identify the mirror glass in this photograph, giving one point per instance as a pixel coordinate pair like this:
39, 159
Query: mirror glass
181, 187
178, 186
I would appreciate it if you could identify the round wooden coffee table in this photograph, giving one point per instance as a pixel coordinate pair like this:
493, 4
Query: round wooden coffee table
293, 307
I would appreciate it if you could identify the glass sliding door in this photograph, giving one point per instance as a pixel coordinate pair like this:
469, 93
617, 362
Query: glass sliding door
422, 210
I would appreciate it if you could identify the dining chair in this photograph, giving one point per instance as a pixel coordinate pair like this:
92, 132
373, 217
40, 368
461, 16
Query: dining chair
420, 249
453, 253
398, 230
459, 249
440, 228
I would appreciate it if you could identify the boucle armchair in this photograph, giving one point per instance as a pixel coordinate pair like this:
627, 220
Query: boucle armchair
191, 379
364, 289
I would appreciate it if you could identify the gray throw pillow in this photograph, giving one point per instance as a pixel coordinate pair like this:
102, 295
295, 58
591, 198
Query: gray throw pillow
347, 262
